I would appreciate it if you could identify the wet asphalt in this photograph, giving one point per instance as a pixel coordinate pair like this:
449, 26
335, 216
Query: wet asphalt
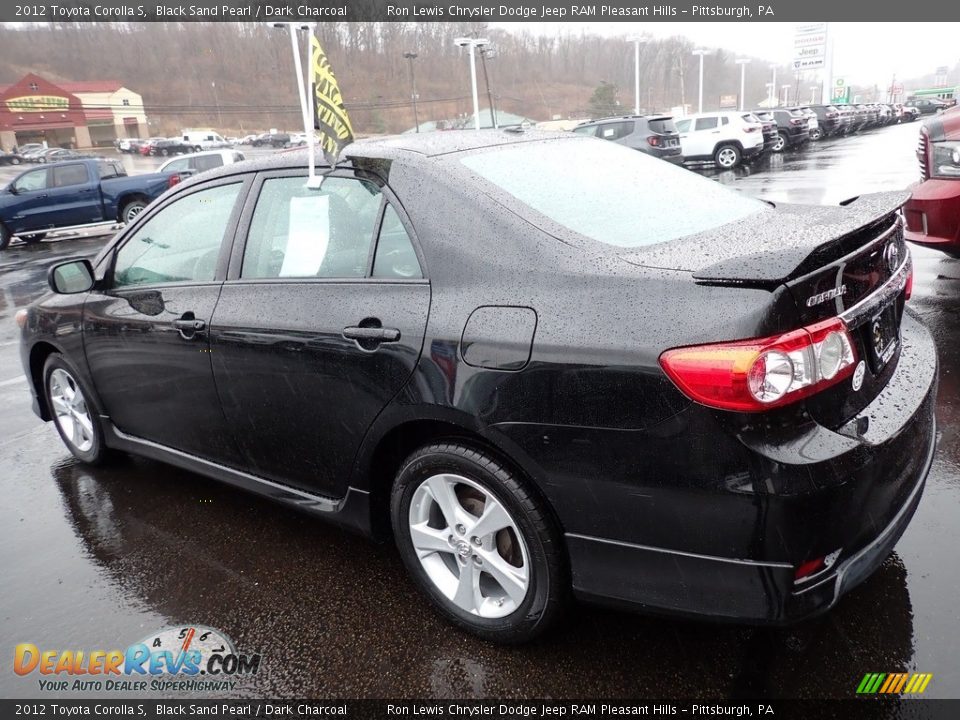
97, 558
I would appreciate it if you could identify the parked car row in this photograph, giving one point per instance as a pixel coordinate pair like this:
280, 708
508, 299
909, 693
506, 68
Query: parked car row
727, 138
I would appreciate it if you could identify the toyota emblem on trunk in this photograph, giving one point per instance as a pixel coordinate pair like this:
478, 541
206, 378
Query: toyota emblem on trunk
892, 254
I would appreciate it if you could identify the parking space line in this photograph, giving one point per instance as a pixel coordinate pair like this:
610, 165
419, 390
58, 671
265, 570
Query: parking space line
13, 381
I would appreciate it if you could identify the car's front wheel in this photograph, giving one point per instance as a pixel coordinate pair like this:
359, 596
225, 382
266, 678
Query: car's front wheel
73, 414
727, 157
481, 547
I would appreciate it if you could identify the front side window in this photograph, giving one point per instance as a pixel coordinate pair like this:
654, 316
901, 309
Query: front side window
181, 243
32, 181
604, 191
297, 232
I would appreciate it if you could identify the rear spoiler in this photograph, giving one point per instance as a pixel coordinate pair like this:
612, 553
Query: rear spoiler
793, 238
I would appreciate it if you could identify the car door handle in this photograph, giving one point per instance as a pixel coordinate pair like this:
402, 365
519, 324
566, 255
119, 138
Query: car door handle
188, 326
375, 334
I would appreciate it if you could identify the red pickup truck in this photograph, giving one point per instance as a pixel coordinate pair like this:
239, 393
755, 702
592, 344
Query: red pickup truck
933, 213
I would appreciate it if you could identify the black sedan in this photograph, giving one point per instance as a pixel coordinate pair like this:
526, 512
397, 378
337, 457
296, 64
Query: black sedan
10, 158
540, 363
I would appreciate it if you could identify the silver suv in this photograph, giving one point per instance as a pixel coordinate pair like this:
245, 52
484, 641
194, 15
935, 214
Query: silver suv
651, 134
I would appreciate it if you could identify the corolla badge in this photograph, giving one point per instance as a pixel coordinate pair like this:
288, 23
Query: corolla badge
827, 295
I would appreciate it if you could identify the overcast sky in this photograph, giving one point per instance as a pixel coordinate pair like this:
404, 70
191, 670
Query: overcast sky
865, 53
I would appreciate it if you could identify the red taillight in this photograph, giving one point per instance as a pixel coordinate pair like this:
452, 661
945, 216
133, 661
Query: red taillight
908, 289
173, 180
810, 567
797, 121
653, 140
751, 128
755, 375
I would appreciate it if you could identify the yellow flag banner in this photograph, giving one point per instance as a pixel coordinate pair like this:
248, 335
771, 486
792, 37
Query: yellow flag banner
330, 117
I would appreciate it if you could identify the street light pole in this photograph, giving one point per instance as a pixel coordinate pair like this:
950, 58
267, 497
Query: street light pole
636, 75
701, 53
473, 43
216, 101
411, 56
785, 91
773, 87
743, 62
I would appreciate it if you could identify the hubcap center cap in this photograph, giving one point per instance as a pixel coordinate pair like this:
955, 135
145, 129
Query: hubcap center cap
463, 550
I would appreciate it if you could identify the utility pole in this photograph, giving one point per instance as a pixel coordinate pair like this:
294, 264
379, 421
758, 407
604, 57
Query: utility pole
411, 56
773, 86
484, 51
216, 101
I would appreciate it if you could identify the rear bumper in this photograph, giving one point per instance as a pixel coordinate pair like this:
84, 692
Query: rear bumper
933, 215
708, 514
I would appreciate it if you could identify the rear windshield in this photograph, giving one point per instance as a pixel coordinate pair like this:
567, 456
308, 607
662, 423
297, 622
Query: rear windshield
764, 116
664, 126
607, 192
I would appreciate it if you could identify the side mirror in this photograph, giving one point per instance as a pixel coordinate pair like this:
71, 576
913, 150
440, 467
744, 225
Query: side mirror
13, 189
71, 276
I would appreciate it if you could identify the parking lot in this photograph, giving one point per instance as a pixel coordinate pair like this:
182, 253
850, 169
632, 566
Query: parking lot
99, 557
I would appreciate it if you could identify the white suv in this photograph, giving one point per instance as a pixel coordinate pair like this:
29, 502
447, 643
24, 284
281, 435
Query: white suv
726, 138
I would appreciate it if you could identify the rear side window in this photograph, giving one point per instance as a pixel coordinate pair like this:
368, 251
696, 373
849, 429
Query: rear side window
395, 257
301, 233
181, 243
178, 165
683, 125
107, 170
614, 131
705, 123
207, 162
605, 192
66, 175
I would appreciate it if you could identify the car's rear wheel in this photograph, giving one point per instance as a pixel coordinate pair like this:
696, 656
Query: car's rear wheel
815, 134
14, 161
477, 543
164, 152
781, 143
73, 414
197, 148
131, 210
727, 157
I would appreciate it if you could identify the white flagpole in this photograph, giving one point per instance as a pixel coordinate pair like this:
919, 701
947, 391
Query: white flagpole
305, 113
313, 181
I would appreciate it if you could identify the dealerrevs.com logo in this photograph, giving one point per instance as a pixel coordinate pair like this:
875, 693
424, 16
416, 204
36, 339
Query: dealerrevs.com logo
190, 659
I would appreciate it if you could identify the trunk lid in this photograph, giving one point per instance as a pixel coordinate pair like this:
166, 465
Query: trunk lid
849, 261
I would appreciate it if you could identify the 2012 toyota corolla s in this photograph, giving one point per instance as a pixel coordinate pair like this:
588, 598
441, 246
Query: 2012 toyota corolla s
546, 365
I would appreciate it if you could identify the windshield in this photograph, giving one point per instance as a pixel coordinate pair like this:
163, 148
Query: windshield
607, 192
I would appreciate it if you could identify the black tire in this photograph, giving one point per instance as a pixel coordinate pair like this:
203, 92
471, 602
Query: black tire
131, 210
197, 148
781, 143
15, 161
816, 134
547, 577
97, 452
727, 156
4, 237
33, 238
164, 152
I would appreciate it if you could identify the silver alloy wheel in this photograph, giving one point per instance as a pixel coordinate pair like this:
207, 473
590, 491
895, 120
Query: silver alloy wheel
469, 545
727, 157
133, 211
780, 144
70, 410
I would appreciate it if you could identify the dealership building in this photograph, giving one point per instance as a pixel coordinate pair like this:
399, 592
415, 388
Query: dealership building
69, 114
